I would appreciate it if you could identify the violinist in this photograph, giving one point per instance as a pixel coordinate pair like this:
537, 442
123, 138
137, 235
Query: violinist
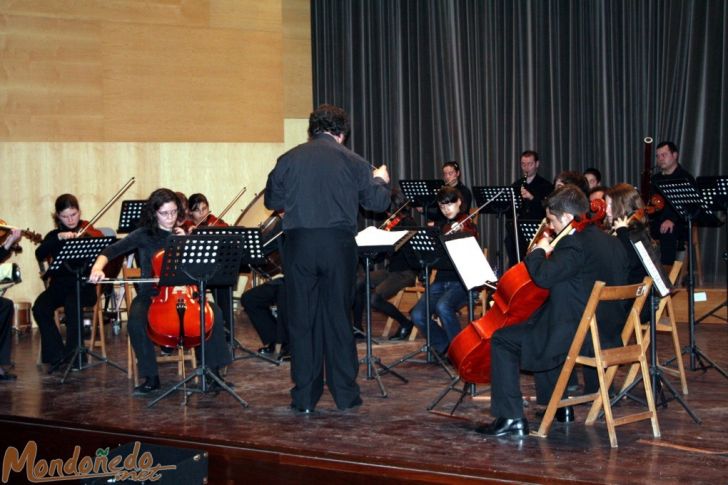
6, 311
61, 289
451, 178
387, 282
447, 292
200, 215
158, 222
540, 344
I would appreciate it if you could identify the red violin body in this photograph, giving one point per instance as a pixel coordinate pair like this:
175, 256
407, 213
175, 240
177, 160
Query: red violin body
515, 299
174, 315
467, 225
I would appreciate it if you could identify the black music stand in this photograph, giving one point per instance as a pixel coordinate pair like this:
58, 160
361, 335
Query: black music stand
504, 200
369, 250
429, 251
661, 283
715, 193
527, 229
251, 253
684, 198
131, 212
201, 260
422, 193
77, 256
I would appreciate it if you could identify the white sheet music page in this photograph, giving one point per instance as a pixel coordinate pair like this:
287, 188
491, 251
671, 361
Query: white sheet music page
470, 262
649, 265
371, 236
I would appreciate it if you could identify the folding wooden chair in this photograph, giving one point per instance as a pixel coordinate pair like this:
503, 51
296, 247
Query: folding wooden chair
606, 362
670, 326
180, 357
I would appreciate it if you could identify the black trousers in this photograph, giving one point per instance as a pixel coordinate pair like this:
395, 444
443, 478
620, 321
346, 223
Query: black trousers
320, 269
217, 353
59, 294
506, 395
6, 320
385, 284
257, 302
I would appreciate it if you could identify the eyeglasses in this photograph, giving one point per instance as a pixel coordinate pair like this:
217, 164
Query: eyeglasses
172, 213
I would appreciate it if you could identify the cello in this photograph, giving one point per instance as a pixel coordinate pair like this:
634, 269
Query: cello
515, 299
174, 315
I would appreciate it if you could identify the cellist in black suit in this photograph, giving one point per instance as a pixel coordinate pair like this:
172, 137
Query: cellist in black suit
540, 345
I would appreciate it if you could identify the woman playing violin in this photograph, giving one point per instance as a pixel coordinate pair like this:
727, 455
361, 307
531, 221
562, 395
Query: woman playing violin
200, 214
6, 311
61, 289
447, 292
157, 223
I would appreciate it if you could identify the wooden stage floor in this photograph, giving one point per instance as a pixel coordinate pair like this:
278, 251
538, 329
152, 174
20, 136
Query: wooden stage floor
392, 440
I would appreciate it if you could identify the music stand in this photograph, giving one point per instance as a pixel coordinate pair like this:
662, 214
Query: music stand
77, 256
429, 251
660, 282
131, 212
422, 193
201, 260
684, 198
527, 229
715, 193
504, 200
371, 242
252, 253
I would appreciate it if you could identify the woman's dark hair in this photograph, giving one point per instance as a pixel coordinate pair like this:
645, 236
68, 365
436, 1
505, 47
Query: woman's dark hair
448, 195
197, 199
328, 118
63, 202
597, 174
625, 201
156, 200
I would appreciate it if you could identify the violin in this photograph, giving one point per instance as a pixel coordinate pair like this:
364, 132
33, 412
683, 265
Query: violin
462, 223
395, 218
174, 315
85, 229
514, 301
5, 229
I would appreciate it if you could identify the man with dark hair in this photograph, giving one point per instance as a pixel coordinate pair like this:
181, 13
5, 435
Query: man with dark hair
666, 225
533, 189
320, 186
568, 270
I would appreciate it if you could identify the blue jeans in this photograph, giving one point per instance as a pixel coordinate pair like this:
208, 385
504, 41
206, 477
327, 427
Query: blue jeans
446, 298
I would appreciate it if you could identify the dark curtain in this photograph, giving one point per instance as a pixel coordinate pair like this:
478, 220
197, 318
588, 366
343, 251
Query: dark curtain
581, 82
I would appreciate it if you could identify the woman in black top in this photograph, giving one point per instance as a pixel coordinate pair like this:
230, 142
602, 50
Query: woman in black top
157, 223
61, 289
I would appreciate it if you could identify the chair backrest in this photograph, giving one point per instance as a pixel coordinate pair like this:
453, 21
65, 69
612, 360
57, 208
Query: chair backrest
129, 273
672, 276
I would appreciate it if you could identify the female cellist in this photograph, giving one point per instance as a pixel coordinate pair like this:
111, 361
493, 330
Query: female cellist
157, 223
447, 292
61, 290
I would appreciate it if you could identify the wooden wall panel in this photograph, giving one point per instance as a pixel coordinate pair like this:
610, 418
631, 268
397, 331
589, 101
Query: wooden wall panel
169, 12
182, 84
50, 79
297, 73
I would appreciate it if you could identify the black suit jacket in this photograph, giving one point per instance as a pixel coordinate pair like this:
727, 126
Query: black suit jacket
569, 273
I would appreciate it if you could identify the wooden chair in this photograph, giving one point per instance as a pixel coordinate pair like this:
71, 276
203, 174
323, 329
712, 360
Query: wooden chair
670, 326
98, 337
181, 355
417, 289
606, 362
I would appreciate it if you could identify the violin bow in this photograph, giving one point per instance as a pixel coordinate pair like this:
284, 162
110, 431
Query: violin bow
474, 213
391, 217
108, 205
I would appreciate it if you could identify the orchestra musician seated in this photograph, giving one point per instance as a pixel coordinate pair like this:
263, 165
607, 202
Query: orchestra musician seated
6, 311
158, 222
61, 289
539, 345
447, 292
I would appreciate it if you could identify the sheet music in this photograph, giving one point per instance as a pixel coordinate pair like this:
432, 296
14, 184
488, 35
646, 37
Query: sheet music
371, 236
470, 262
652, 270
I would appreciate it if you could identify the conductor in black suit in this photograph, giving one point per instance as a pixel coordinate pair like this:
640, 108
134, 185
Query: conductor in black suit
320, 186
540, 345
